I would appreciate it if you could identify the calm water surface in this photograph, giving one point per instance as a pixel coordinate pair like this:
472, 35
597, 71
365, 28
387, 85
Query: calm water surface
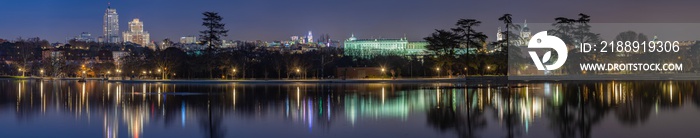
141, 110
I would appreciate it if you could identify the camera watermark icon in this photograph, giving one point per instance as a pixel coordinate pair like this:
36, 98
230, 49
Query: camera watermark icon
542, 40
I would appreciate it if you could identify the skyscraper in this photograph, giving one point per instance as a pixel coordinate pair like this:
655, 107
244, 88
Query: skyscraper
310, 38
110, 26
136, 33
499, 34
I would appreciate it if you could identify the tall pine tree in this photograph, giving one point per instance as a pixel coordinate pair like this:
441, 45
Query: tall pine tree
214, 30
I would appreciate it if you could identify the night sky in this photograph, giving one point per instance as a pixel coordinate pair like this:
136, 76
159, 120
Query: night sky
268, 20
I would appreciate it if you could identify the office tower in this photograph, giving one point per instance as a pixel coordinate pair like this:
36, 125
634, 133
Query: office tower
111, 26
136, 34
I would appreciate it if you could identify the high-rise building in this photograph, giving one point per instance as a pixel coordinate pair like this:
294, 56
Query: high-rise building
110, 26
188, 40
136, 33
84, 37
310, 38
499, 34
325, 40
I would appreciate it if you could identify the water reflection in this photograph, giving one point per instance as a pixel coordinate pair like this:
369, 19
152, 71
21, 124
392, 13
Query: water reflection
569, 109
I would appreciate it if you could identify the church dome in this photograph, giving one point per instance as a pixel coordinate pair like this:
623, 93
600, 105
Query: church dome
526, 29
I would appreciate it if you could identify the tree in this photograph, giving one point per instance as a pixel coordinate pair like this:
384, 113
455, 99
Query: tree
215, 30
572, 32
508, 21
443, 44
212, 38
168, 60
469, 37
54, 66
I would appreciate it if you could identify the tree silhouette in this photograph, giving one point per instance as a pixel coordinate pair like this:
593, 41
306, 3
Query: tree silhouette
215, 30
443, 45
470, 37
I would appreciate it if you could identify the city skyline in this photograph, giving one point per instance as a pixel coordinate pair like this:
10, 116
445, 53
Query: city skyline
277, 20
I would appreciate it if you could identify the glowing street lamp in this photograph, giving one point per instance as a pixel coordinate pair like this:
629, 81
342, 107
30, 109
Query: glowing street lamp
20, 70
41, 72
161, 74
438, 71
487, 69
233, 74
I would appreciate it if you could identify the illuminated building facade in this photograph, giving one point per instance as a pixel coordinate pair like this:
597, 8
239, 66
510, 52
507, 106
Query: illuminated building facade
310, 38
136, 34
369, 48
84, 37
525, 35
188, 40
110, 26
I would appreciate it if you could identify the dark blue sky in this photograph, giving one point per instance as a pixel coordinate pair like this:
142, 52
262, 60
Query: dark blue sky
267, 20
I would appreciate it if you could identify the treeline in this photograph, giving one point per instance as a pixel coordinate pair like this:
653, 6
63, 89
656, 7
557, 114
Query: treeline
248, 61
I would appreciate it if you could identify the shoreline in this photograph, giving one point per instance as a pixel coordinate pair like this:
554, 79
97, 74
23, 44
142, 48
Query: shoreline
411, 80
259, 81
469, 79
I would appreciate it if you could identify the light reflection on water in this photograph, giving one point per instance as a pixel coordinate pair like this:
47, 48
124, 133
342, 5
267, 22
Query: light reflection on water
569, 109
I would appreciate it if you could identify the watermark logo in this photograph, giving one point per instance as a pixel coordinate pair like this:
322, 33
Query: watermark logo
542, 40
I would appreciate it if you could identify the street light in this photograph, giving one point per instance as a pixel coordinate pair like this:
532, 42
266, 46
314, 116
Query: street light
233, 75
298, 73
42, 72
438, 71
161, 74
383, 72
487, 70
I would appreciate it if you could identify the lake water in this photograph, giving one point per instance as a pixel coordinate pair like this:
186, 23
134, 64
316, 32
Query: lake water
30, 108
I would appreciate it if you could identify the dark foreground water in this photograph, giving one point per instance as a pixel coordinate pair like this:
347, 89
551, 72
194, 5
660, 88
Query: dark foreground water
570, 109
